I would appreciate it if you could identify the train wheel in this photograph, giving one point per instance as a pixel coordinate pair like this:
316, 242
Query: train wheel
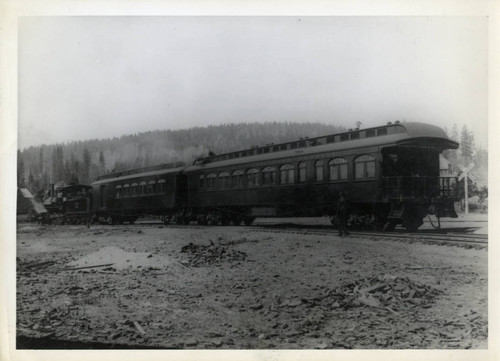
248, 220
225, 220
412, 225
212, 220
236, 220
389, 226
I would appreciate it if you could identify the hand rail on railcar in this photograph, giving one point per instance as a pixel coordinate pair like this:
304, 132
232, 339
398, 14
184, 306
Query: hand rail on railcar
412, 187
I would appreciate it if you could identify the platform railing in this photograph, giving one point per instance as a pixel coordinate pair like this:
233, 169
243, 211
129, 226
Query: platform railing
412, 187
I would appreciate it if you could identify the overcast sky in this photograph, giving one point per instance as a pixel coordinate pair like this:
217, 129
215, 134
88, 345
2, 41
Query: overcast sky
97, 77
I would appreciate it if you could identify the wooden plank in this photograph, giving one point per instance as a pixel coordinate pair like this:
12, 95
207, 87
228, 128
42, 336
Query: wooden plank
84, 267
373, 288
139, 328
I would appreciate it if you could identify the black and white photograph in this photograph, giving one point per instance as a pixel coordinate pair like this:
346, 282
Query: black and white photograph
274, 183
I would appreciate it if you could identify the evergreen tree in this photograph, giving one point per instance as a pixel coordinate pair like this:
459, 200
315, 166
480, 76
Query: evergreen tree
452, 154
40, 164
102, 163
32, 183
454, 133
44, 182
20, 170
58, 166
87, 160
467, 145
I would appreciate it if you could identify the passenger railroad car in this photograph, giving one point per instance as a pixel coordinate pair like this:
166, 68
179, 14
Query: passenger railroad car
390, 174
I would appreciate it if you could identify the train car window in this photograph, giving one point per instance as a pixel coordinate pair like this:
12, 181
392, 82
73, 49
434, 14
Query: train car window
211, 178
276, 148
283, 147
118, 191
302, 172
259, 151
253, 177
202, 181
133, 190
355, 135
126, 191
266, 150
338, 169
151, 187
269, 176
382, 131
302, 144
238, 178
370, 133
293, 146
287, 174
142, 188
344, 137
364, 167
330, 139
224, 180
318, 171
160, 187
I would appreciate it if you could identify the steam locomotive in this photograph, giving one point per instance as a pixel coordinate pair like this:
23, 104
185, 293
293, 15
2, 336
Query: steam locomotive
390, 173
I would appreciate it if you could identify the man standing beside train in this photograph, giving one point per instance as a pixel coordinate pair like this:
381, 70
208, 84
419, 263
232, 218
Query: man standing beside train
342, 213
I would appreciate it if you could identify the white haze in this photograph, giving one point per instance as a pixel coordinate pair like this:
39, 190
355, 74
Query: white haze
97, 77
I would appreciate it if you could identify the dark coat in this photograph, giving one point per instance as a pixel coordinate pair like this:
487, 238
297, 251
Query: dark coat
343, 208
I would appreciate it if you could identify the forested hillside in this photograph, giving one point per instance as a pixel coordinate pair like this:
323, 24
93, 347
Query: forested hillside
82, 161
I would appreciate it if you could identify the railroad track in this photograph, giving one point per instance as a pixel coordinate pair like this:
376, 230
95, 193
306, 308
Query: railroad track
428, 236
440, 238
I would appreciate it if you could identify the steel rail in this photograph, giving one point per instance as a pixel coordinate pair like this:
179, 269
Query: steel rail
422, 237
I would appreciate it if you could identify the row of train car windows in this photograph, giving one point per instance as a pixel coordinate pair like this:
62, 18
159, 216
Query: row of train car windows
364, 168
140, 189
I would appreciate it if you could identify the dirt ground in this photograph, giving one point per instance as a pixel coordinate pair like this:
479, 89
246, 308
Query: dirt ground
241, 288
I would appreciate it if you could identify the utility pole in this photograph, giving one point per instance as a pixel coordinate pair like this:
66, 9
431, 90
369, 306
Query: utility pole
465, 176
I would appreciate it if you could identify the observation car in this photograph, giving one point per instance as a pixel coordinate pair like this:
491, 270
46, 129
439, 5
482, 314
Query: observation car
389, 173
